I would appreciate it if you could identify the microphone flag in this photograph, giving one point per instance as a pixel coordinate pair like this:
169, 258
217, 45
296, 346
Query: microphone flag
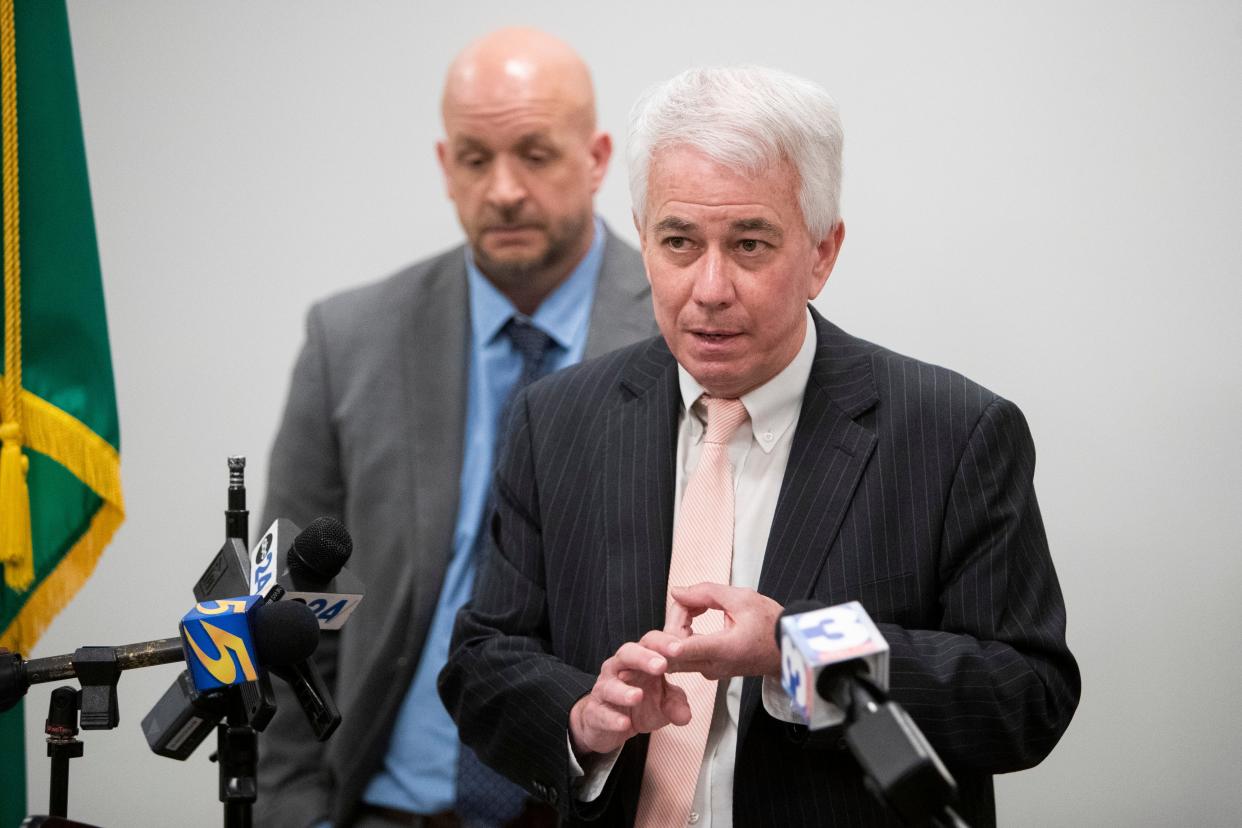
219, 644
821, 639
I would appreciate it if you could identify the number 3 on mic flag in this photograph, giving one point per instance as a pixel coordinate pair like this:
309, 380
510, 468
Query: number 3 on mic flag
218, 644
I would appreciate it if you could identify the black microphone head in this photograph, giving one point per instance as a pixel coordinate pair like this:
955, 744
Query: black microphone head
797, 608
321, 550
285, 632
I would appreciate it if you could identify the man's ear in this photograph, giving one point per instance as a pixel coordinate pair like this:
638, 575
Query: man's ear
442, 157
826, 253
601, 151
642, 244
642, 237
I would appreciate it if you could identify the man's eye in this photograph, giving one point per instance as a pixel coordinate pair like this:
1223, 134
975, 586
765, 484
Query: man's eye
472, 161
538, 158
751, 245
677, 243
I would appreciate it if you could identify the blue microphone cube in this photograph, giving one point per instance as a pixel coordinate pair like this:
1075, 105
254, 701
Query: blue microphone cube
219, 647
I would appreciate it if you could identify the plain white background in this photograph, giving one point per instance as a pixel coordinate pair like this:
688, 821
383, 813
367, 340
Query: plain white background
1044, 196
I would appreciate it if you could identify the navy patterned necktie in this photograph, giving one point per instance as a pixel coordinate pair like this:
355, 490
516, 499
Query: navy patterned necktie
484, 797
533, 345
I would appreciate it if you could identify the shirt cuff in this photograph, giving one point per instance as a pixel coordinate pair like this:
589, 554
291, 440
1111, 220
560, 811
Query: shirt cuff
587, 786
777, 702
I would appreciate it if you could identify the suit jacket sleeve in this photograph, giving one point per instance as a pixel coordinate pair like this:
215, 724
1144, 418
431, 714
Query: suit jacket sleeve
304, 482
995, 686
508, 693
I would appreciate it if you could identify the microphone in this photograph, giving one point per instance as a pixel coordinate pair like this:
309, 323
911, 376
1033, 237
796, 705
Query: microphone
244, 633
309, 566
275, 636
227, 575
309, 569
820, 645
308, 687
834, 666
182, 719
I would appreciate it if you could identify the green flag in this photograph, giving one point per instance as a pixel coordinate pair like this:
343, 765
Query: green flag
60, 487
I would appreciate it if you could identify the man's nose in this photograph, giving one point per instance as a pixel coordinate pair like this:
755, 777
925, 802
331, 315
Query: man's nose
713, 283
505, 189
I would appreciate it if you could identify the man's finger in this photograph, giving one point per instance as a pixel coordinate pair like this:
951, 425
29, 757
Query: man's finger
702, 647
702, 596
664, 642
633, 656
710, 669
677, 620
676, 706
617, 692
605, 719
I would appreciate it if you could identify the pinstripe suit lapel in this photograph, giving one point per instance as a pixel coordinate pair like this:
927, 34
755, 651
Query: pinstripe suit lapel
637, 494
829, 453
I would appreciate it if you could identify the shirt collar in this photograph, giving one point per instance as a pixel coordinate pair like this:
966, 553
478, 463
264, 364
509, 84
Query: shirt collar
562, 315
773, 406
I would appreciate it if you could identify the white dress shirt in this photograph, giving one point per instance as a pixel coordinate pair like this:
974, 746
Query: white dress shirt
759, 455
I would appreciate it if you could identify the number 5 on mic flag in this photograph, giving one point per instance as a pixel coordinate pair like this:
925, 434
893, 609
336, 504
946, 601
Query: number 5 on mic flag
218, 643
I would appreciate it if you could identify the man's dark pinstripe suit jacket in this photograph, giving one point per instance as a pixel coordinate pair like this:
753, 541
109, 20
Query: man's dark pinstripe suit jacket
908, 488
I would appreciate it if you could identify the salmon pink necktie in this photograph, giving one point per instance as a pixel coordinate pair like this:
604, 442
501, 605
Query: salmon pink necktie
702, 551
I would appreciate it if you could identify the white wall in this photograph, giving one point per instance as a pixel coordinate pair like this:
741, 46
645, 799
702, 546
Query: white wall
1044, 196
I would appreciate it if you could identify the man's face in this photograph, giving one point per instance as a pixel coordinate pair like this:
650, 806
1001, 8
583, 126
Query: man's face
731, 267
522, 171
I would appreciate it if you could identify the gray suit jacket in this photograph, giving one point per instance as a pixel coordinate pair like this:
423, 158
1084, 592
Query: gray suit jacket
372, 434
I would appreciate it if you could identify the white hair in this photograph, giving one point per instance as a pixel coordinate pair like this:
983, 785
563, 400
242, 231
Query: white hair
747, 117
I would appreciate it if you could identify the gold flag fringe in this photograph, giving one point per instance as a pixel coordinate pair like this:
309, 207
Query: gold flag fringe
16, 549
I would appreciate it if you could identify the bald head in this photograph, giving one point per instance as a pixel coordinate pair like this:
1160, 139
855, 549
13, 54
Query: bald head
522, 159
520, 64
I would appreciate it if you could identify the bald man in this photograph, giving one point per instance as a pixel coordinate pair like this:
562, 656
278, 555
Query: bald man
392, 424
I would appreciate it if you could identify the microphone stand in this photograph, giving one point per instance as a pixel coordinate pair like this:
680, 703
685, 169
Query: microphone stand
237, 743
62, 745
237, 516
900, 766
98, 670
237, 752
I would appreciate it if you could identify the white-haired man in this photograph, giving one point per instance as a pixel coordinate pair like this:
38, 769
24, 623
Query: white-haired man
659, 506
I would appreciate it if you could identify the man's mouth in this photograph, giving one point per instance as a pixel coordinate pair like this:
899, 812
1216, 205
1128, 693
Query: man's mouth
511, 228
714, 335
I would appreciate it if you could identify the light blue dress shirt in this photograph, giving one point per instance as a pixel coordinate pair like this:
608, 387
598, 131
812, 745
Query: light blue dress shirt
419, 771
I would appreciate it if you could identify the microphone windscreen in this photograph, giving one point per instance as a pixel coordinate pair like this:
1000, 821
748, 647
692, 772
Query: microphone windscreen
321, 550
285, 632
